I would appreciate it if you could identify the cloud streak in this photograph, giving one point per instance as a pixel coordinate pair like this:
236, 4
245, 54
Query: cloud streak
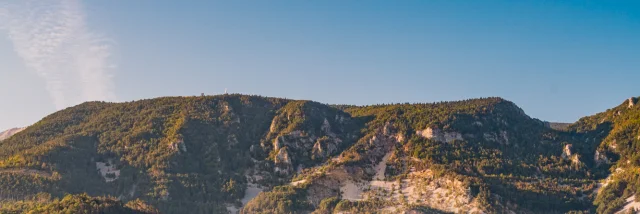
53, 40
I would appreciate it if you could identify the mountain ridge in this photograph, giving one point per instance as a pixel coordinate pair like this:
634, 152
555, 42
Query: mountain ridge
9, 132
212, 154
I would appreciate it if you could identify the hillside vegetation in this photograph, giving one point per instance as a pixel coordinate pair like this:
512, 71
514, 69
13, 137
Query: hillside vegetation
252, 154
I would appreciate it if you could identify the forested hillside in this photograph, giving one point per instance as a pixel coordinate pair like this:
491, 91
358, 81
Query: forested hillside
8, 133
252, 154
82, 203
614, 138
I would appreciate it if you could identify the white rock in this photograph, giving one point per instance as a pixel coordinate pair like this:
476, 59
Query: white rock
566, 153
283, 156
440, 136
108, 168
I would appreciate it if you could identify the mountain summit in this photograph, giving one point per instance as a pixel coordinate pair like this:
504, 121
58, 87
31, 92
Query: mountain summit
8, 133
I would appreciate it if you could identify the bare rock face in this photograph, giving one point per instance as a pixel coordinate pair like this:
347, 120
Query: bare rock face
283, 162
300, 143
505, 137
632, 102
613, 144
317, 149
295, 139
178, 146
108, 170
348, 181
283, 157
428, 133
575, 159
451, 136
323, 188
274, 125
278, 143
601, 158
400, 137
566, 152
324, 148
443, 193
326, 128
502, 137
439, 135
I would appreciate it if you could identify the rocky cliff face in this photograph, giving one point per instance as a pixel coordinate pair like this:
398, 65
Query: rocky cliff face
399, 166
614, 135
438, 135
250, 154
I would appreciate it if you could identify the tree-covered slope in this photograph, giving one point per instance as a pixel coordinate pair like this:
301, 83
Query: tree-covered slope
228, 153
8, 133
491, 156
44, 203
615, 138
178, 153
173, 152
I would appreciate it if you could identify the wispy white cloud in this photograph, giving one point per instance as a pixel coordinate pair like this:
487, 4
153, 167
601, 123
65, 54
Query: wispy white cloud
53, 40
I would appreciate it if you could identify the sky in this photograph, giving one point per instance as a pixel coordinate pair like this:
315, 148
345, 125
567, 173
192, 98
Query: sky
558, 60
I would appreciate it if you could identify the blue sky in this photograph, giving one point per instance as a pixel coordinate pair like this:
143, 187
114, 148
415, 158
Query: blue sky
559, 61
